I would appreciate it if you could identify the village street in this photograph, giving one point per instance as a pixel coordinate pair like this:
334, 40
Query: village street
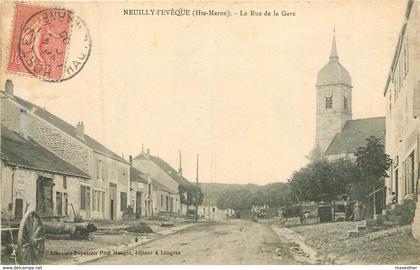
221, 242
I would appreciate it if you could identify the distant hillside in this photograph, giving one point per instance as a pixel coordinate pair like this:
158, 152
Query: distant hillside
212, 191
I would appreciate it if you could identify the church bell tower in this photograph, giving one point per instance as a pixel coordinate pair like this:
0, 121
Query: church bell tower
334, 102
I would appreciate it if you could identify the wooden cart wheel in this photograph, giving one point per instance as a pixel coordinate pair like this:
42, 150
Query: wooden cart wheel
31, 239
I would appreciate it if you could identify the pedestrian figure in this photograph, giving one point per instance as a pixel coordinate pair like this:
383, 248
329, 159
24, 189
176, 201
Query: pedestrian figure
282, 217
357, 211
394, 200
347, 209
302, 216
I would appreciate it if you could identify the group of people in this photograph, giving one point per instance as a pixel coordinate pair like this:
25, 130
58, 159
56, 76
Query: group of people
354, 211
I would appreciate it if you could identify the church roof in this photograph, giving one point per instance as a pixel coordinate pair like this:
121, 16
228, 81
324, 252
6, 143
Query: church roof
333, 72
354, 135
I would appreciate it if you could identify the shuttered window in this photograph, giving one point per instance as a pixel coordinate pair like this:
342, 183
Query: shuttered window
123, 201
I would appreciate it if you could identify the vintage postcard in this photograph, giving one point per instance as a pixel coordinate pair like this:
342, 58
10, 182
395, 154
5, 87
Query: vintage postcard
210, 133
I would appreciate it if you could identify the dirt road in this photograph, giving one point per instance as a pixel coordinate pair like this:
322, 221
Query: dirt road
221, 242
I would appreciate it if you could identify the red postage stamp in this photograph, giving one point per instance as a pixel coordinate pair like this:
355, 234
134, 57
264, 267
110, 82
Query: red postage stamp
49, 43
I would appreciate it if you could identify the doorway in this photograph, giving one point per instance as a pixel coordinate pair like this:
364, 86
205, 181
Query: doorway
111, 206
44, 196
138, 204
112, 200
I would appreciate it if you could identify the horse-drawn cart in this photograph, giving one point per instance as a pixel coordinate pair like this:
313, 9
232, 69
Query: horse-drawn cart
23, 240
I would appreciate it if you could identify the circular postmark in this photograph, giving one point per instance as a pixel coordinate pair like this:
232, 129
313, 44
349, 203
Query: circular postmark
54, 45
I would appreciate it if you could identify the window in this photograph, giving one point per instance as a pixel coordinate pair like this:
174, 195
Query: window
94, 200
123, 201
345, 102
66, 204
150, 188
84, 197
328, 102
161, 200
98, 203
64, 181
59, 203
99, 169
98, 200
409, 174
167, 203
103, 201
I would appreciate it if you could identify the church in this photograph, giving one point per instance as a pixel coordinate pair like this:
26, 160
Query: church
337, 134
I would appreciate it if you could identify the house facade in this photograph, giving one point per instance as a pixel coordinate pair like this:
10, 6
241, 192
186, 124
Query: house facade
212, 212
402, 96
167, 181
164, 198
106, 194
141, 194
33, 178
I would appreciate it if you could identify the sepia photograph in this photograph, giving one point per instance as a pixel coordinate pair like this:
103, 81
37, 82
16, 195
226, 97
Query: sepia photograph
210, 133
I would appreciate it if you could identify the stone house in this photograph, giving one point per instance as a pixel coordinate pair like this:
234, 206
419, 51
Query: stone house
167, 180
212, 212
34, 178
163, 198
141, 194
402, 97
106, 194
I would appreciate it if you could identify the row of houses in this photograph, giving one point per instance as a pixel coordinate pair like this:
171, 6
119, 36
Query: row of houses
58, 170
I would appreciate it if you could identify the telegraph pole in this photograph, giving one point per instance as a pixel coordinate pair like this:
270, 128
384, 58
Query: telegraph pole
196, 193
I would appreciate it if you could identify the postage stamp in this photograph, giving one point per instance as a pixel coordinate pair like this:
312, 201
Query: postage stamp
52, 44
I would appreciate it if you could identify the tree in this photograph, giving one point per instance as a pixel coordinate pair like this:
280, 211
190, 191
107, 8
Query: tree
323, 180
189, 193
238, 198
373, 164
273, 195
241, 197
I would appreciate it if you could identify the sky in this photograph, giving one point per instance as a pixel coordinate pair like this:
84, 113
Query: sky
239, 91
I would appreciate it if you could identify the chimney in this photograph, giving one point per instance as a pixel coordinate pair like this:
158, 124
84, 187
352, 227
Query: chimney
130, 159
148, 151
8, 87
80, 130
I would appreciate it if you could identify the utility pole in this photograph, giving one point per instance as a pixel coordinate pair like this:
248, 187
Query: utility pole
196, 193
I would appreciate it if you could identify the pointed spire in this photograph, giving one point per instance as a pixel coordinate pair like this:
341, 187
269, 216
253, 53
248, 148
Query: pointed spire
333, 55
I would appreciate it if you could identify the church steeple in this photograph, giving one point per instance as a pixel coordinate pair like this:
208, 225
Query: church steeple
334, 55
334, 105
